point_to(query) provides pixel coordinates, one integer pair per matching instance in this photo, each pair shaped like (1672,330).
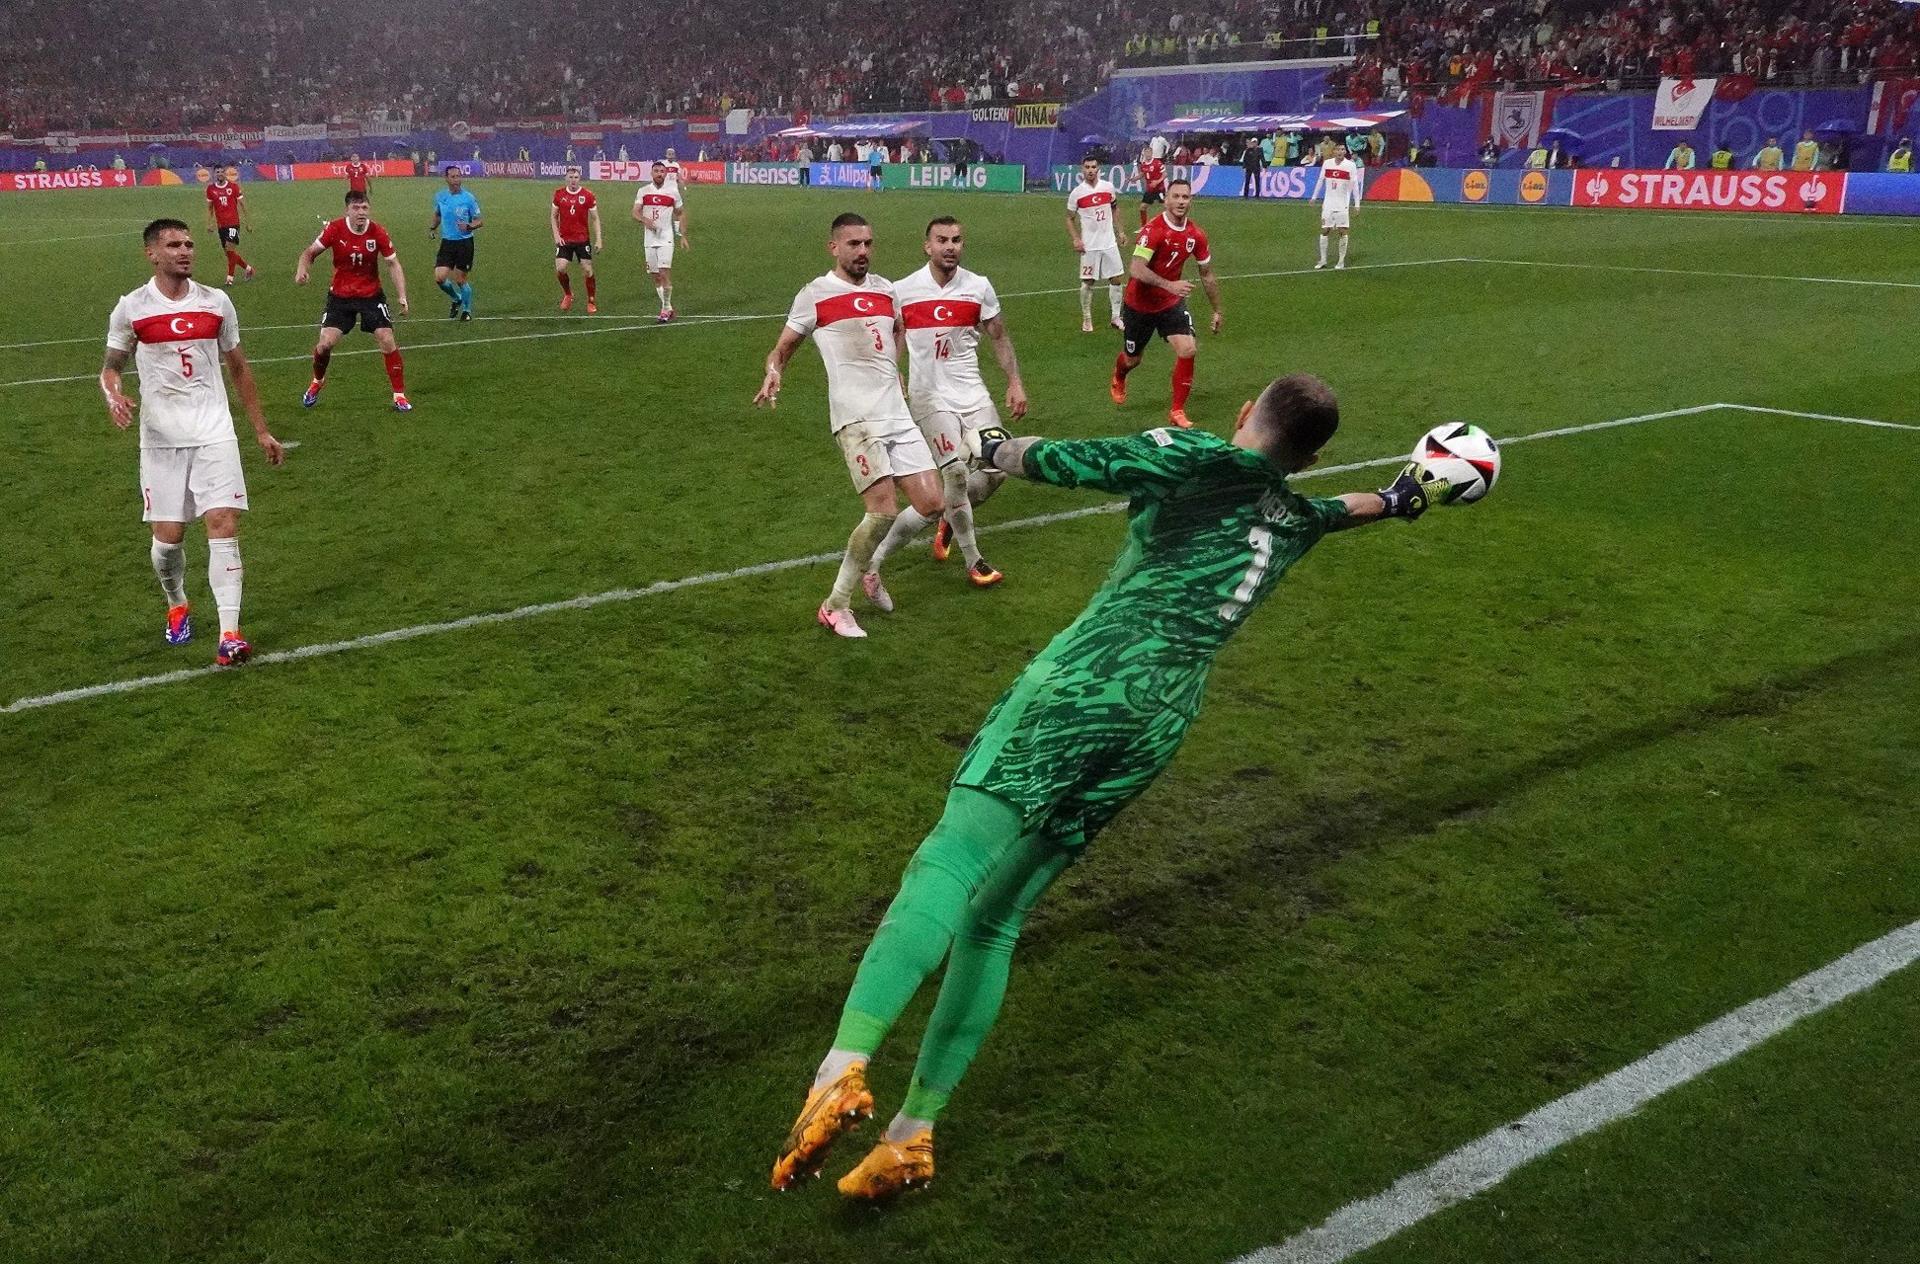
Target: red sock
(589,287)
(1182,380)
(394,372)
(320,357)
(234,263)
(566,283)
(1121,368)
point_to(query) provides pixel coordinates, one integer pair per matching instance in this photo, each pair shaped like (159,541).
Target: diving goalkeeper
(1212,526)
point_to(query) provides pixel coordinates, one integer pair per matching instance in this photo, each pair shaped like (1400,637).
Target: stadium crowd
(485,60)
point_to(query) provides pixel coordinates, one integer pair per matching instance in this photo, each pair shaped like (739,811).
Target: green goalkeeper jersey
(1211,529)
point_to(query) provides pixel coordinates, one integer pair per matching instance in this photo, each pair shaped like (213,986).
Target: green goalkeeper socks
(974,832)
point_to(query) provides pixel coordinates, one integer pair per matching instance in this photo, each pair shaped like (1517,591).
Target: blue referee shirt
(456,211)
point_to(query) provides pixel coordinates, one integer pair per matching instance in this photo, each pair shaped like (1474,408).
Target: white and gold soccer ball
(1463,454)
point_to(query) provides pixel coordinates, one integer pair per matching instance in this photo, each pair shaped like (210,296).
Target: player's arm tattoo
(1210,283)
(1002,347)
(114,362)
(1140,272)
(1011,457)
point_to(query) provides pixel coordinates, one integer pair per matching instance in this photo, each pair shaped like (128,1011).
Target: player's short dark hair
(848,219)
(152,231)
(1180,180)
(939,220)
(356,196)
(452,166)
(1300,412)
(1090,158)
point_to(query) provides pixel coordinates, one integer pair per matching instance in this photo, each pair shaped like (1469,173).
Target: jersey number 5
(186,363)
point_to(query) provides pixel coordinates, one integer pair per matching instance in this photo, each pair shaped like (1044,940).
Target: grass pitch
(519,942)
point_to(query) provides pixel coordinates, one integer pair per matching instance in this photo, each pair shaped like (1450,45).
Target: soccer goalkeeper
(1212,526)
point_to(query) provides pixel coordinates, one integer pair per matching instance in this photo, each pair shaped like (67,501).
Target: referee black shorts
(457,255)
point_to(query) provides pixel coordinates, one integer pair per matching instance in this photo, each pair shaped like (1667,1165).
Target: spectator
(1558,158)
(1901,159)
(1681,158)
(1490,153)
(1769,158)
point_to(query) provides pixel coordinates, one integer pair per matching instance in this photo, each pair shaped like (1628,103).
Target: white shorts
(180,484)
(659,257)
(883,449)
(1333,216)
(1101,265)
(946,431)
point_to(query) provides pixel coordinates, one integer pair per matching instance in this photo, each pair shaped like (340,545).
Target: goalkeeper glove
(990,438)
(1410,495)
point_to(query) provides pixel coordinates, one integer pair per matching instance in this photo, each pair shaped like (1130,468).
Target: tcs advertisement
(1818,192)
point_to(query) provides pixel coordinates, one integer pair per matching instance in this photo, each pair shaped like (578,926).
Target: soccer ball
(1465,455)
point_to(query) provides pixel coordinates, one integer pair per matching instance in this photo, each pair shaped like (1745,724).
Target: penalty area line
(588,602)
(1480,1165)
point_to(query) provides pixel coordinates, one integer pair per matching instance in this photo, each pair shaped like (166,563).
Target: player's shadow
(630,1085)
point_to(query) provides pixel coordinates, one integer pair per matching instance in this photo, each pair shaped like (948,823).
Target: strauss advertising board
(1798,192)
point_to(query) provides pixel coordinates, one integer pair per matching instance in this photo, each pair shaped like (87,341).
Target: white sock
(953,482)
(853,563)
(905,1128)
(909,524)
(669,298)
(1323,247)
(170,564)
(1113,301)
(1086,300)
(982,484)
(1343,248)
(835,1065)
(660,292)
(224,574)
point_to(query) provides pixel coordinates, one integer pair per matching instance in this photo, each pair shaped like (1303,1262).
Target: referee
(456,213)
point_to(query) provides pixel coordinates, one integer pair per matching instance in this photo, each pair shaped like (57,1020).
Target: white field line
(1699,272)
(1851,421)
(314,324)
(648,323)
(1480,1165)
(762,568)
(48,241)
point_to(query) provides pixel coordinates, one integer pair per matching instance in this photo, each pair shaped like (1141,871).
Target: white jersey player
(943,310)
(177,333)
(670,165)
(662,213)
(850,313)
(1340,179)
(1090,207)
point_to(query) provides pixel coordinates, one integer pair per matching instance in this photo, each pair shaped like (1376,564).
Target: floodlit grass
(520,942)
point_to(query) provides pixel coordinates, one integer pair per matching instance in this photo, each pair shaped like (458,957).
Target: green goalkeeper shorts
(1070,749)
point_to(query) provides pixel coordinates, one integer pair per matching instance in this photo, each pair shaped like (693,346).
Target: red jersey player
(1156,297)
(358,244)
(575,211)
(359,175)
(1153,183)
(226,206)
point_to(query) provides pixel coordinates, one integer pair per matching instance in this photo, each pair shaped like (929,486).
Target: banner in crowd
(1515,119)
(995,177)
(1893,102)
(992,114)
(1037,114)
(43,181)
(1820,192)
(295,132)
(1678,105)
(703,125)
